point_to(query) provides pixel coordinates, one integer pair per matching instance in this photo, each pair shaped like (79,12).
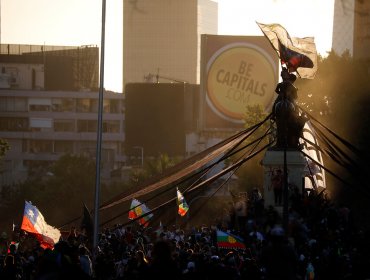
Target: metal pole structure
(99,136)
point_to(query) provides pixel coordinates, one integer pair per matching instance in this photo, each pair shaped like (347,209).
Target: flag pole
(99,133)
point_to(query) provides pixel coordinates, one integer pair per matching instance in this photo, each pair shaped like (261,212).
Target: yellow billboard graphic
(237,75)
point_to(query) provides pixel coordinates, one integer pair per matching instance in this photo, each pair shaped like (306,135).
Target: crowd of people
(321,241)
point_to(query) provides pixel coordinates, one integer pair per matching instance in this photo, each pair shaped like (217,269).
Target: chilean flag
(34,223)
(298,54)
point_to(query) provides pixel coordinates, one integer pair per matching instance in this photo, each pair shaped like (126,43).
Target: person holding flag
(33,222)
(183,206)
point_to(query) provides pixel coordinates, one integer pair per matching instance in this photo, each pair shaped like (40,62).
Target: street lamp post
(142,154)
(99,134)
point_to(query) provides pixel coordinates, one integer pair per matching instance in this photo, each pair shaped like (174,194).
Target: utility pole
(99,134)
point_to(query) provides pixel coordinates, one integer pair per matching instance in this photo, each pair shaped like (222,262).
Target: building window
(111,126)
(20,104)
(64,125)
(39,108)
(13,104)
(14,124)
(83,105)
(41,124)
(37,104)
(114,106)
(63,105)
(41,146)
(81,125)
(106,106)
(94,105)
(63,147)
(25,146)
(87,125)
(92,126)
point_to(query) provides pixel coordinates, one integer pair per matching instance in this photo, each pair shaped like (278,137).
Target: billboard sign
(237,71)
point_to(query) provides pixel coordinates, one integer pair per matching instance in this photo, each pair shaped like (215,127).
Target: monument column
(274,161)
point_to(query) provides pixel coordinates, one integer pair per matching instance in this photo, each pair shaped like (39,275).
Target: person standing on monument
(277,183)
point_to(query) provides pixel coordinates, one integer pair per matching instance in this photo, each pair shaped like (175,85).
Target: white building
(41,124)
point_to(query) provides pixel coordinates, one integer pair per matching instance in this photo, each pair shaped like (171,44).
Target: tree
(338,93)
(4,147)
(59,191)
(251,173)
(152,167)
(339,97)
(75,173)
(254,115)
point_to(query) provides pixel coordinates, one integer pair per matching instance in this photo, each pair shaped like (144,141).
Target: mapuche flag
(183,206)
(298,54)
(229,241)
(138,211)
(33,222)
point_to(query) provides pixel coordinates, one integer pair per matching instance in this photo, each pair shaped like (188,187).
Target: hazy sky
(78,22)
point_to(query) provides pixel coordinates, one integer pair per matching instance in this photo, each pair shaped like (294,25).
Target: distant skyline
(78,22)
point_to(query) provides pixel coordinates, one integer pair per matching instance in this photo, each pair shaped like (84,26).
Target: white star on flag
(30,213)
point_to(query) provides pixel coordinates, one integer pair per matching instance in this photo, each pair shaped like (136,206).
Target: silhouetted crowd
(321,241)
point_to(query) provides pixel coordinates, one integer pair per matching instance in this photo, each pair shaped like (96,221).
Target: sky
(78,22)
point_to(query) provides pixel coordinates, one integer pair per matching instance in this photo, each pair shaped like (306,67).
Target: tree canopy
(339,97)
(4,147)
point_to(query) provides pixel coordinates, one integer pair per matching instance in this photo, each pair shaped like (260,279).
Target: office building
(49,107)
(351,28)
(162,39)
(343,26)
(361,37)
